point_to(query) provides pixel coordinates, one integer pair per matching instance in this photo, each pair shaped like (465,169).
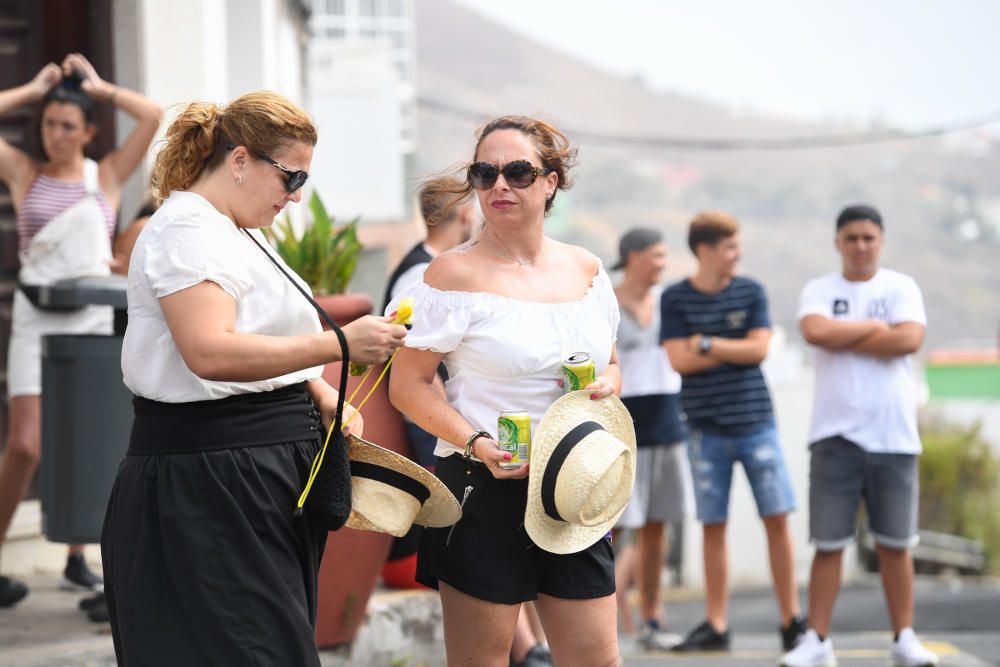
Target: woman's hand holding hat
(370,340)
(601,387)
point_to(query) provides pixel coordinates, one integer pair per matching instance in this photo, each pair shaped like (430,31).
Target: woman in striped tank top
(41,192)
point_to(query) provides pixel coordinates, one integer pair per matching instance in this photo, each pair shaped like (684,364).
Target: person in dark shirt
(716,331)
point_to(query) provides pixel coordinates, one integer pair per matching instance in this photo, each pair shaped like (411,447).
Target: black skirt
(204,560)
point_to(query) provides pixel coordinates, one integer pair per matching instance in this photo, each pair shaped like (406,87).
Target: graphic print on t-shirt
(840,306)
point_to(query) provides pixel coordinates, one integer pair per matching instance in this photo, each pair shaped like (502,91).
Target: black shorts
(488,553)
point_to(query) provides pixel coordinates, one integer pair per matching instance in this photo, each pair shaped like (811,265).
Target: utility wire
(741,143)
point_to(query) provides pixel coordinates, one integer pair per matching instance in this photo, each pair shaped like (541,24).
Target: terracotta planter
(353,558)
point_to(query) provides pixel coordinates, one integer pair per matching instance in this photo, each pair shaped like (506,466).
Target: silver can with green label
(514,437)
(578,371)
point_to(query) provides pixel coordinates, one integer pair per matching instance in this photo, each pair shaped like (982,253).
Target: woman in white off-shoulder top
(501,312)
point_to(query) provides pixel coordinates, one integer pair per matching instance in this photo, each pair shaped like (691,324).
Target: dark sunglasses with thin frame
(294,178)
(519,174)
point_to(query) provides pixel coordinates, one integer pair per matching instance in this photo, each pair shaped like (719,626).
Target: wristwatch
(704,344)
(471,441)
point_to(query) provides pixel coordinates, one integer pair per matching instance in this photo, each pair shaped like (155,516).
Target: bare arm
(837,335)
(686,360)
(202,321)
(749,351)
(413,392)
(119,164)
(897,341)
(15,165)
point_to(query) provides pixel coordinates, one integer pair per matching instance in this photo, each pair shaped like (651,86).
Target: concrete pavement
(959,619)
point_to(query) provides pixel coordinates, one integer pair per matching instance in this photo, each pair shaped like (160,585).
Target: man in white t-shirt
(865,322)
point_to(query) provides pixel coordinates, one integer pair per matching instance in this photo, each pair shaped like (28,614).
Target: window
(366,7)
(335,7)
(335,33)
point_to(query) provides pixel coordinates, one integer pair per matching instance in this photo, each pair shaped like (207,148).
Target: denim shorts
(841,474)
(712,457)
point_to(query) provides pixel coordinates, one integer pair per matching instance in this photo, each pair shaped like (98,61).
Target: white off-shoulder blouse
(505,353)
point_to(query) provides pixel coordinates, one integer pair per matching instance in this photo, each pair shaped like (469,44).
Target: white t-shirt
(644,364)
(868,400)
(504,353)
(186,242)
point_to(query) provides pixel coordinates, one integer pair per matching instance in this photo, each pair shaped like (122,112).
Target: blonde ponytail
(188,147)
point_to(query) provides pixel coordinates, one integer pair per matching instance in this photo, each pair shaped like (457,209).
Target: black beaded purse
(327,495)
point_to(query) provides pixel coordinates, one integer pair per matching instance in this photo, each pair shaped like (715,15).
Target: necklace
(500,251)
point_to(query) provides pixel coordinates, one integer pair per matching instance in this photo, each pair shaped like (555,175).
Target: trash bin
(86,415)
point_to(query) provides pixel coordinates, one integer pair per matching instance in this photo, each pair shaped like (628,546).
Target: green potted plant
(325,256)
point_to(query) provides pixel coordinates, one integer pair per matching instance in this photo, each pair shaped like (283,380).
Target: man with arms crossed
(716,331)
(865,322)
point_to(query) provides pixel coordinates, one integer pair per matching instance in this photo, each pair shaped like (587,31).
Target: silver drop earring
(239,180)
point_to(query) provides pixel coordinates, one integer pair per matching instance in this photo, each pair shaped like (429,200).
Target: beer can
(578,371)
(514,437)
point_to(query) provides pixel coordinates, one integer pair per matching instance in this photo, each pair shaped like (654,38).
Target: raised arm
(119,164)
(837,335)
(896,341)
(202,321)
(15,164)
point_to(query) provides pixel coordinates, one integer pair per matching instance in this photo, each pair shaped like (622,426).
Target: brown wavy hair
(198,139)
(554,152)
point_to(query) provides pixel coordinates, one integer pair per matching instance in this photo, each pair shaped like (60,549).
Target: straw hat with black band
(390,492)
(582,472)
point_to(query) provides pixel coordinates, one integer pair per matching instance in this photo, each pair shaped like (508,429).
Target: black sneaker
(791,633)
(12,591)
(77,576)
(99,614)
(91,602)
(537,656)
(704,638)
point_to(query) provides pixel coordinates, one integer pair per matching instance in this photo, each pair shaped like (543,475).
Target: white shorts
(660,494)
(29,324)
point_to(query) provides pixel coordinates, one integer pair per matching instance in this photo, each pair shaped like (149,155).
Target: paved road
(960,620)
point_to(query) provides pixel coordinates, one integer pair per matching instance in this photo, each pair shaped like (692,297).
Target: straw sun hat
(390,492)
(582,472)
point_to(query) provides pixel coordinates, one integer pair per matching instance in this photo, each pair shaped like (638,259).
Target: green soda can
(514,433)
(578,371)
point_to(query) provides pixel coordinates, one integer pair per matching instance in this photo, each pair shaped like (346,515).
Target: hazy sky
(912,63)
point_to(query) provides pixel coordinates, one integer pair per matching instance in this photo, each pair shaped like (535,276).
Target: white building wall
(357,164)
(203,50)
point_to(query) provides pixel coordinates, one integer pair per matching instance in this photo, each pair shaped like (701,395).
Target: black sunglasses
(294,179)
(518,174)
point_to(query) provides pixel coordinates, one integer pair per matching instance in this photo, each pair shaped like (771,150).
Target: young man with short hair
(866,322)
(716,332)
(650,391)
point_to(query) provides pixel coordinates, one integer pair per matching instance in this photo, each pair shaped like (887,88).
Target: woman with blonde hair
(502,312)
(55,198)
(205,558)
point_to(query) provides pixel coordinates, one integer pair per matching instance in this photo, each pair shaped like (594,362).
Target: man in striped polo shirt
(716,331)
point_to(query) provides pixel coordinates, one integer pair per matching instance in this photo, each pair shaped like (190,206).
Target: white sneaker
(811,652)
(907,651)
